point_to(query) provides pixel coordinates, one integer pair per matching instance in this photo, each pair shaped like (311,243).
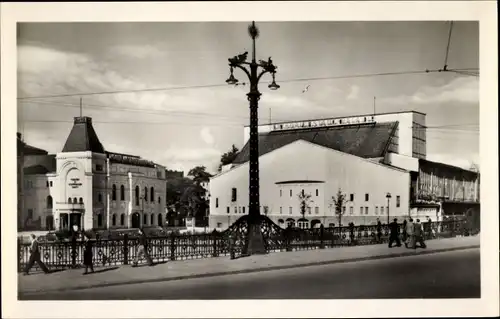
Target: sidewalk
(183,269)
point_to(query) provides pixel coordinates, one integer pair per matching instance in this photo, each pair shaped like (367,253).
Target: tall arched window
(49,201)
(160,220)
(69,200)
(99,220)
(145,219)
(114,220)
(137,196)
(152,219)
(146,194)
(122,219)
(122,192)
(113,192)
(159,200)
(75,201)
(152,195)
(80,200)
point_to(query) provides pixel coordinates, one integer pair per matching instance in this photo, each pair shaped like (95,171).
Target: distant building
(173,174)
(366,156)
(85,185)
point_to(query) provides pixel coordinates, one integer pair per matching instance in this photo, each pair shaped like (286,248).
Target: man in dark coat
(394,236)
(88,255)
(379,230)
(143,249)
(35,257)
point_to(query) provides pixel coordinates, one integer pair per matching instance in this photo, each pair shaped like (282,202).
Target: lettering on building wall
(75,183)
(324,123)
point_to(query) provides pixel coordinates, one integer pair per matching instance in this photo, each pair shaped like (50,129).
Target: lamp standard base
(255,240)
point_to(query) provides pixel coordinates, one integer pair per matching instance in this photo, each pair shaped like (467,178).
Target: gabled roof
(82,137)
(366,140)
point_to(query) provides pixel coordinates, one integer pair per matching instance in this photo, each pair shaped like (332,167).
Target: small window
(317,192)
(47,183)
(122,192)
(233,194)
(69,200)
(316,210)
(367,197)
(343,210)
(228,210)
(75,201)
(98,168)
(366,210)
(351,210)
(236,210)
(239,210)
(145,198)
(113,192)
(159,200)
(361,210)
(351,197)
(99,197)
(266,210)
(219,225)
(152,219)
(216,202)
(290,210)
(290,193)
(309,210)
(30,213)
(281,192)
(376,210)
(398,201)
(281,210)
(99,220)
(80,200)
(145,219)
(114,220)
(381,210)
(51,184)
(122,219)
(243,209)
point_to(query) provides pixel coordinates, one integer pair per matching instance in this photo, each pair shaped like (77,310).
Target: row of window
(49,184)
(145,220)
(137,194)
(291,193)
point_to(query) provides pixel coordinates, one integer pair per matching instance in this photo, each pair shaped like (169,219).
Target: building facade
(367,157)
(86,186)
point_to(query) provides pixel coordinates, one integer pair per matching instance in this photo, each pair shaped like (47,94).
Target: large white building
(85,185)
(366,157)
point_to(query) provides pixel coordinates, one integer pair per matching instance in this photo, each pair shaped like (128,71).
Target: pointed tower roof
(82,137)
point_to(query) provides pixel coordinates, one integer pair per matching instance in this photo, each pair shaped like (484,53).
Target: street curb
(244,271)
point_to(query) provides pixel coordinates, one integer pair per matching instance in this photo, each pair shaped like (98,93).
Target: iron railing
(231,242)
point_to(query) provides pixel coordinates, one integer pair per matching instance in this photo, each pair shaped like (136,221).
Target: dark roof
(365,140)
(28,149)
(129,159)
(40,164)
(83,137)
(424,162)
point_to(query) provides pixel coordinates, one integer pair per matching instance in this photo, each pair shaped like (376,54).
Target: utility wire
(225,85)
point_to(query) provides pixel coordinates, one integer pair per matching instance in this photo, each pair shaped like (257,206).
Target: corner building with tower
(378,161)
(87,186)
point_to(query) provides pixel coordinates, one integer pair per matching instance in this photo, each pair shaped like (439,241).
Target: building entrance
(136,220)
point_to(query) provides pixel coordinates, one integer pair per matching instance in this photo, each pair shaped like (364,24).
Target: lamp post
(255,239)
(388,196)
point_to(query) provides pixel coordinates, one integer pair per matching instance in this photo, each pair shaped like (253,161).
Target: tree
(304,201)
(338,201)
(228,157)
(199,174)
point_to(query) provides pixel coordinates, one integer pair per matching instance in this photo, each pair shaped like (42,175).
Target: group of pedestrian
(88,256)
(413,233)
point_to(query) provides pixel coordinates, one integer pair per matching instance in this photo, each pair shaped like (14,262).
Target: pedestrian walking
(379,230)
(143,249)
(35,257)
(351,232)
(405,235)
(410,240)
(88,255)
(419,235)
(394,236)
(428,228)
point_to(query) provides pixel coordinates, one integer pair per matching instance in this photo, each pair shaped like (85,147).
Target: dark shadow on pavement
(105,269)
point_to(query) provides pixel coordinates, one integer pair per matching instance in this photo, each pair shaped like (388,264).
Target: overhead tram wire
(225,85)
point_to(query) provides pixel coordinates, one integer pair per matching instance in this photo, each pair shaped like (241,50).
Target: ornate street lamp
(255,238)
(388,196)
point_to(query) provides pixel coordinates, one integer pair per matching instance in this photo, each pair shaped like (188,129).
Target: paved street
(442,275)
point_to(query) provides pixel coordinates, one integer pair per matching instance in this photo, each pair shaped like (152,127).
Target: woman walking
(88,255)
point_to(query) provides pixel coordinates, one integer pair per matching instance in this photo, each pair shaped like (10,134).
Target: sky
(182,128)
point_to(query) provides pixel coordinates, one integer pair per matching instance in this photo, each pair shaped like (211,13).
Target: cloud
(354,93)
(207,136)
(460,89)
(136,51)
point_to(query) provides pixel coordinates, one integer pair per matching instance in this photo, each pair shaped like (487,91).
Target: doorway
(136,220)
